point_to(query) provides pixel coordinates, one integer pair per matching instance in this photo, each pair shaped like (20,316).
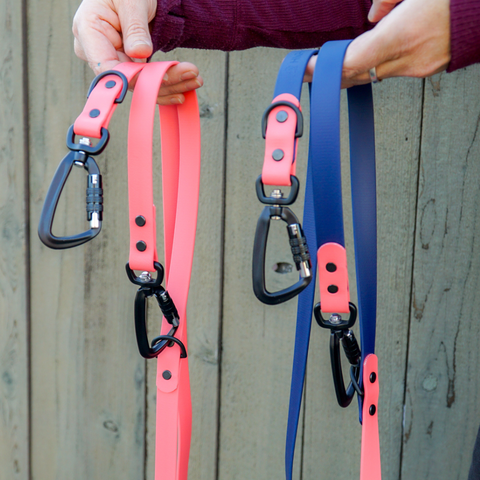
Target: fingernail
(165,77)
(141,42)
(188,76)
(175,101)
(199,83)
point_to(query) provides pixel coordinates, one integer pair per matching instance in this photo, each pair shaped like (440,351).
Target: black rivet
(141,246)
(372,410)
(373,377)
(140,220)
(110,83)
(167,374)
(281,116)
(277,154)
(94,113)
(331,267)
(332,289)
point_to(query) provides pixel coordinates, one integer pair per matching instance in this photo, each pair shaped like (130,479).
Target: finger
(180,72)
(133,15)
(310,69)
(180,87)
(381,8)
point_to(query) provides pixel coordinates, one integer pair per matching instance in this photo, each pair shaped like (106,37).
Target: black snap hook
(298,245)
(94,202)
(352,352)
(161,342)
(340,332)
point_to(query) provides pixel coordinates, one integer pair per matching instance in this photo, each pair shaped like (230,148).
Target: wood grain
(442,403)
(14,418)
(258,339)
(88,385)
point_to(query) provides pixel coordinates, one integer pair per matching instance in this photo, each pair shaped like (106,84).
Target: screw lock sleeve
(167,306)
(351,348)
(298,245)
(94,196)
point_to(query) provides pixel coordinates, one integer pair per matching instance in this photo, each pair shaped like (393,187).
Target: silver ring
(373,75)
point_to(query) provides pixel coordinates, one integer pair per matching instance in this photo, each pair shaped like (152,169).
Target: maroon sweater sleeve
(464,33)
(240,24)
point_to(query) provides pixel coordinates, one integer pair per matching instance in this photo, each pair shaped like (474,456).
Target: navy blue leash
(323,216)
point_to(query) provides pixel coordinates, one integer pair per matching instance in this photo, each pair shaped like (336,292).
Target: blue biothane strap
(323,216)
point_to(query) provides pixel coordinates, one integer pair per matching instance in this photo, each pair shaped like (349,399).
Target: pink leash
(180,138)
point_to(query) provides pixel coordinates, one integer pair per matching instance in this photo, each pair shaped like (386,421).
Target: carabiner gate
(94,202)
(298,245)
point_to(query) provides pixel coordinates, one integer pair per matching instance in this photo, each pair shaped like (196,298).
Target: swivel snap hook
(151,287)
(298,245)
(340,331)
(94,201)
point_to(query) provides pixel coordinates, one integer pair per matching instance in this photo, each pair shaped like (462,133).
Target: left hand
(411,40)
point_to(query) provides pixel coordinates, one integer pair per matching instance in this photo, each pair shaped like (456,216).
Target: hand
(108,32)
(413,40)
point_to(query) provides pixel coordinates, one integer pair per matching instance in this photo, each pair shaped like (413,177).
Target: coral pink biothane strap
(180,136)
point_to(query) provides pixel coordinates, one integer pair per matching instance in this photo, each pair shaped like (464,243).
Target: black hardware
(292,196)
(90,149)
(340,332)
(336,322)
(301,255)
(94,202)
(142,282)
(151,287)
(95,81)
(299,129)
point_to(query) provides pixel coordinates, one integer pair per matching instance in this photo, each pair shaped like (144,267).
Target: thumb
(133,16)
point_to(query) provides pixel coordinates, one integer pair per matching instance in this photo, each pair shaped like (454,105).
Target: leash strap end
(370,466)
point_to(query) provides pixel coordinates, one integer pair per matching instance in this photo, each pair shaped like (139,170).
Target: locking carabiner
(94,197)
(152,287)
(340,331)
(298,244)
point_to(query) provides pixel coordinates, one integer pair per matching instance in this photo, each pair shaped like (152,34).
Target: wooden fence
(77,401)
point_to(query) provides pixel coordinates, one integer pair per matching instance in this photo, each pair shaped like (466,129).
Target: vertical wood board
(442,403)
(14,427)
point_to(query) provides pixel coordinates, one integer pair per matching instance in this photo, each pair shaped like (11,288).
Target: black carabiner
(299,247)
(148,288)
(94,202)
(340,332)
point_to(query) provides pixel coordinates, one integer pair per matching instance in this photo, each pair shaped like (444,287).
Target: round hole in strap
(372,410)
(140,220)
(110,83)
(331,267)
(373,377)
(332,289)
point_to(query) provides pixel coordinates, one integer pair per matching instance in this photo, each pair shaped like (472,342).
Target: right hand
(108,32)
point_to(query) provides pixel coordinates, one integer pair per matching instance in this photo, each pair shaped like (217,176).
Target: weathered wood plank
(328,429)
(14,428)
(442,401)
(88,379)
(206,285)
(257,339)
